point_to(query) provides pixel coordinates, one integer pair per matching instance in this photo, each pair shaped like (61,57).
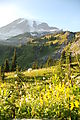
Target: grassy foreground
(43,93)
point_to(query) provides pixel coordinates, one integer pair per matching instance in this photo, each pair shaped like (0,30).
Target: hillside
(36,49)
(75,47)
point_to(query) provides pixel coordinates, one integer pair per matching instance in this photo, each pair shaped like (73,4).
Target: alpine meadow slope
(37,49)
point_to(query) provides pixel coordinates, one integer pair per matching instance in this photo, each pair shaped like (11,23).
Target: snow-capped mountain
(22,25)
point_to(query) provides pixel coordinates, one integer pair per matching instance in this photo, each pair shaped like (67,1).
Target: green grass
(40,93)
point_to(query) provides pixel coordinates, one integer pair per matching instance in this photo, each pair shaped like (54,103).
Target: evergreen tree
(49,62)
(3,75)
(60,71)
(13,67)
(6,66)
(35,65)
(18,68)
(68,66)
(63,56)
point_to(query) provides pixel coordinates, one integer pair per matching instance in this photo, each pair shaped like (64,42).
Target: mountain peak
(23,25)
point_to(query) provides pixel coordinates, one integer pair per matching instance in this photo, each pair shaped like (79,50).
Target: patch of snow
(22,20)
(52,30)
(33,34)
(30,22)
(11,33)
(13,26)
(42,30)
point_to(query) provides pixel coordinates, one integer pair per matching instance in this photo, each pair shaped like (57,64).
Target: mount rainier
(22,25)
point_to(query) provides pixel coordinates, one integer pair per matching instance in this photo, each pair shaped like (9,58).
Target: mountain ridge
(22,25)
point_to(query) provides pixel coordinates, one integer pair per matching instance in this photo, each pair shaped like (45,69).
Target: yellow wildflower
(72,105)
(76,103)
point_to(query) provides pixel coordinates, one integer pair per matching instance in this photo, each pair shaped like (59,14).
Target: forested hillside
(37,50)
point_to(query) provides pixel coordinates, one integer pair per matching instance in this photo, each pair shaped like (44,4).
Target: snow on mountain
(22,20)
(22,25)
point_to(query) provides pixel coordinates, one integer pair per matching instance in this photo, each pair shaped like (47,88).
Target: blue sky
(64,14)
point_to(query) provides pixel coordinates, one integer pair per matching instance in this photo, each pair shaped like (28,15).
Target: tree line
(7,68)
